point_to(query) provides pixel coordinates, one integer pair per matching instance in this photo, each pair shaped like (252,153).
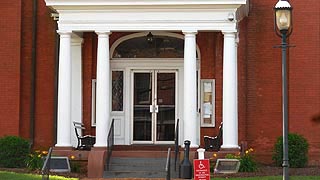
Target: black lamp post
(283,28)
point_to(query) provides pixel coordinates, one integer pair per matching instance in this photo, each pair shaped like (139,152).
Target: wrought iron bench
(84,142)
(213,143)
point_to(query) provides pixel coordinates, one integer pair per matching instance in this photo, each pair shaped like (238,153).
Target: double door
(154,106)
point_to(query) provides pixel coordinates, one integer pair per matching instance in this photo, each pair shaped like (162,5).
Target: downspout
(56,77)
(33,71)
(55,100)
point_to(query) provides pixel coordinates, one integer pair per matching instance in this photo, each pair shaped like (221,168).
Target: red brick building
(30,67)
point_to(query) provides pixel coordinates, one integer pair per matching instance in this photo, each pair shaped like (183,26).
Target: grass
(20,176)
(272,178)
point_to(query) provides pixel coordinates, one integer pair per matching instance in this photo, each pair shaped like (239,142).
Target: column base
(96,162)
(231,149)
(224,151)
(62,148)
(68,152)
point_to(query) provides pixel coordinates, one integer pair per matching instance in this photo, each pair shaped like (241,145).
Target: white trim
(139,2)
(164,15)
(93,102)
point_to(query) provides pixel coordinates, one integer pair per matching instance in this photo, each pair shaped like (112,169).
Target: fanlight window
(159,47)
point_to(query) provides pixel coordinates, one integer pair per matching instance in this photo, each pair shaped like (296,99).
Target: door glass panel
(117,90)
(166,97)
(142,118)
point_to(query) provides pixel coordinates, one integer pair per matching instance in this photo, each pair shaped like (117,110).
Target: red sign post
(201,169)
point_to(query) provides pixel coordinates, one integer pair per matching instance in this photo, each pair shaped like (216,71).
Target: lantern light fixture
(283,18)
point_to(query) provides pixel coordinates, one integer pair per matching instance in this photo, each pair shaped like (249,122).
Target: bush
(247,162)
(297,148)
(13,151)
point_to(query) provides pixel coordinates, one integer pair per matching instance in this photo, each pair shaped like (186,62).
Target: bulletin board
(207,102)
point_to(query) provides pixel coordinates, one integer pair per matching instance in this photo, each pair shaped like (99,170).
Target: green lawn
(272,178)
(19,176)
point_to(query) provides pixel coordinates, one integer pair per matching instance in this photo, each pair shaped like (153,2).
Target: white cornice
(144,15)
(140,2)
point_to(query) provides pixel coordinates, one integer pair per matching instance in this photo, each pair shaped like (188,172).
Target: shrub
(13,151)
(297,150)
(247,162)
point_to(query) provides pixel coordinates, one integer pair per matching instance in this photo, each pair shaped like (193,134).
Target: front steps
(140,164)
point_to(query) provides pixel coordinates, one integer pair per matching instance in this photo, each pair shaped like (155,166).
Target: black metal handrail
(168,169)
(46,166)
(176,148)
(110,143)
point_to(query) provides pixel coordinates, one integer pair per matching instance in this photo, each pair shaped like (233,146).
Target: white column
(230,91)
(102,90)
(64,91)
(190,89)
(76,85)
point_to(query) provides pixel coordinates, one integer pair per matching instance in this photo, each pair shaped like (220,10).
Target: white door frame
(154,73)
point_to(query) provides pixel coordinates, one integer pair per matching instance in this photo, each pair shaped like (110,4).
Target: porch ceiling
(132,15)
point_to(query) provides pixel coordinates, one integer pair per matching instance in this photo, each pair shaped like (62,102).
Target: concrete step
(140,167)
(134,174)
(137,164)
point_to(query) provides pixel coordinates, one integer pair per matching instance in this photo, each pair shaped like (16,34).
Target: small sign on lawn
(59,164)
(227,166)
(201,169)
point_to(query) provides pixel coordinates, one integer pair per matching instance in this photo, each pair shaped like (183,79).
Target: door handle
(151,109)
(156,108)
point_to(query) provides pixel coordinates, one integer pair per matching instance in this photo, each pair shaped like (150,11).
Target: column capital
(76,41)
(64,32)
(103,32)
(229,32)
(190,32)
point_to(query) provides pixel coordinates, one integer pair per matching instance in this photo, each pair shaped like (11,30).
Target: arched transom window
(159,46)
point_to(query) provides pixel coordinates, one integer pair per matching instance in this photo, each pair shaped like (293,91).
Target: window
(160,47)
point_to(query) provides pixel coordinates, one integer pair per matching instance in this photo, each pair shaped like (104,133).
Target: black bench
(84,142)
(213,143)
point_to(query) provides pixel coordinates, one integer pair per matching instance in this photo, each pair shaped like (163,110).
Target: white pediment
(132,15)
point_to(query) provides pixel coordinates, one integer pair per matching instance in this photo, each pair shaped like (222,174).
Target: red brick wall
(88,52)
(10,54)
(45,76)
(210,45)
(25,73)
(242,81)
(219,78)
(264,110)
(304,74)
(263,80)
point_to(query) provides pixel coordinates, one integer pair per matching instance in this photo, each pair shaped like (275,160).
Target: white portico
(187,17)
